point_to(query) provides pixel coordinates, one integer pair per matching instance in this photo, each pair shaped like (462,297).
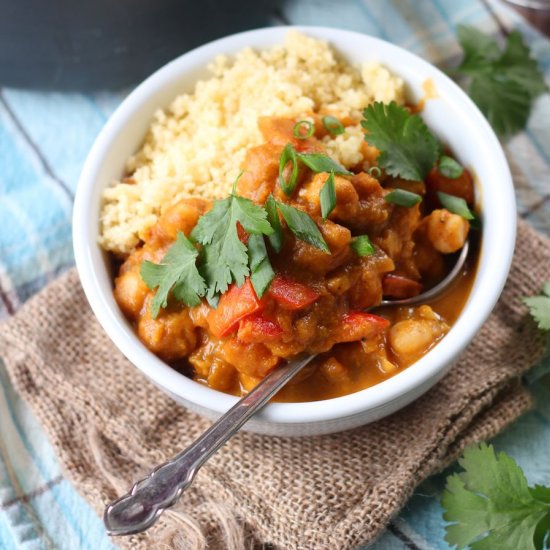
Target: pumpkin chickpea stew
(299,256)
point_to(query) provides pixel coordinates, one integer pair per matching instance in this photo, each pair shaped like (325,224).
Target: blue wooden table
(44,139)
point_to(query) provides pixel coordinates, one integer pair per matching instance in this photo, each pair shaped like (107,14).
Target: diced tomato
(357,325)
(291,294)
(242,234)
(397,286)
(257,328)
(234,305)
(463,186)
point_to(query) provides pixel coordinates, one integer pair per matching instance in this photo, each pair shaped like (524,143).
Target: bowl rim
(423,372)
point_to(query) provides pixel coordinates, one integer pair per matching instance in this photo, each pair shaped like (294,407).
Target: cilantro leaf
(489,504)
(479,48)
(177,272)
(225,257)
(407,147)
(539,306)
(261,271)
(503,84)
(276,238)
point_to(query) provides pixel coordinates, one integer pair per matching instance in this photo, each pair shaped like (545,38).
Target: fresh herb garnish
(504,84)
(449,167)
(317,162)
(323,163)
(225,257)
(363,245)
(177,272)
(328,196)
(261,272)
(401,197)
(490,505)
(456,205)
(374,171)
(303,129)
(333,125)
(276,238)
(407,147)
(302,226)
(288,155)
(539,306)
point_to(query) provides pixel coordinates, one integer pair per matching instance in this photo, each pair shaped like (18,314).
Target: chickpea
(411,338)
(170,336)
(446,231)
(334,371)
(347,199)
(309,192)
(130,292)
(221,376)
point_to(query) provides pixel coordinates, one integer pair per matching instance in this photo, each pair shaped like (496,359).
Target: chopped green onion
(261,272)
(322,163)
(303,226)
(288,155)
(362,245)
(328,196)
(449,167)
(309,129)
(375,172)
(333,125)
(276,238)
(401,197)
(456,205)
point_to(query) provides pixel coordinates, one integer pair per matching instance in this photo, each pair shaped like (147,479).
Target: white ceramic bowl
(452,115)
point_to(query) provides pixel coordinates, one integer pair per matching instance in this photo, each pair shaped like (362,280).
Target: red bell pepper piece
(291,294)
(257,328)
(234,305)
(357,325)
(398,286)
(242,234)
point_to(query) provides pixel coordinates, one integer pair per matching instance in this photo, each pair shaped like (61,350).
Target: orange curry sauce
(317,301)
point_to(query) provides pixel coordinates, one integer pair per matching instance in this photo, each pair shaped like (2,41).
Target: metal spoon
(142,506)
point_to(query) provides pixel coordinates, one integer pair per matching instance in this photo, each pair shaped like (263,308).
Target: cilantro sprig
(489,505)
(408,149)
(539,306)
(225,257)
(504,83)
(178,273)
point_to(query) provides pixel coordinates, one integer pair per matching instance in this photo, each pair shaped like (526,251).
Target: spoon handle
(142,506)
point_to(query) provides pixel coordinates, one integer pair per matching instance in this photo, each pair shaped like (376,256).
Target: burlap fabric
(109,426)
